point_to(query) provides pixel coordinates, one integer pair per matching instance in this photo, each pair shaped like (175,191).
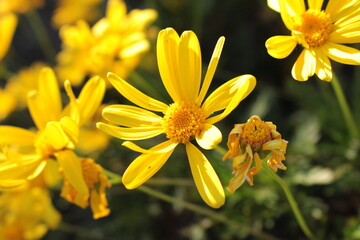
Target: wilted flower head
(252,141)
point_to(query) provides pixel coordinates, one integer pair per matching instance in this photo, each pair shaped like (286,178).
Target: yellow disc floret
(183,121)
(315,26)
(255,133)
(90,171)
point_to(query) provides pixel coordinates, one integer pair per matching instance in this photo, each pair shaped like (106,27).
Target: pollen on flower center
(315,26)
(255,133)
(182,121)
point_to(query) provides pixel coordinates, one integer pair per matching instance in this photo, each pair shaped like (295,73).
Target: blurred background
(323,161)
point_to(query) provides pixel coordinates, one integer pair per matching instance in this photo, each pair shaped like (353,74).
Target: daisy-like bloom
(97,182)
(188,118)
(250,142)
(114,44)
(68,11)
(27,153)
(321,32)
(27,214)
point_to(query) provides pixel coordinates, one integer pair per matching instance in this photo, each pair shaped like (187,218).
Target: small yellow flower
(114,44)
(96,181)
(249,142)
(188,118)
(68,11)
(27,214)
(322,34)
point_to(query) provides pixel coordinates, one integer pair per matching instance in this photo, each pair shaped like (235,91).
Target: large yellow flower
(114,44)
(322,33)
(188,118)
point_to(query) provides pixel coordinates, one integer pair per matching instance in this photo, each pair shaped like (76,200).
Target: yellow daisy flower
(96,181)
(322,33)
(249,142)
(114,44)
(188,118)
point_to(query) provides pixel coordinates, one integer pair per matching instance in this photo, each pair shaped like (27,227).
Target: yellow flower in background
(26,214)
(19,6)
(322,33)
(13,95)
(69,11)
(188,118)
(96,181)
(248,142)
(114,44)
(26,153)
(8,22)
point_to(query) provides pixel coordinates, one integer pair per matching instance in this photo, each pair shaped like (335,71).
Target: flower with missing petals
(188,118)
(248,143)
(322,33)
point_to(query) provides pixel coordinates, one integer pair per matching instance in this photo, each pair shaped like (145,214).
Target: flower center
(255,133)
(90,172)
(315,26)
(182,121)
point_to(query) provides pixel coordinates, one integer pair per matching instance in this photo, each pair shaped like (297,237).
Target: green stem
(354,132)
(116,179)
(292,202)
(42,36)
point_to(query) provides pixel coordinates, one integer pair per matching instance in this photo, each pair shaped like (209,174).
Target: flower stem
(116,179)
(42,36)
(354,132)
(292,202)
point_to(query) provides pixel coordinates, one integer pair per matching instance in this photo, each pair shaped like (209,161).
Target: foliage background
(323,163)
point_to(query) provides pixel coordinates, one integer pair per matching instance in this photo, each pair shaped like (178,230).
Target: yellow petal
(349,33)
(211,70)
(37,109)
(135,95)
(315,4)
(139,19)
(71,129)
(90,98)
(167,50)
(49,92)
(289,9)
(130,116)
(340,9)
(323,65)
(55,136)
(146,165)
(135,133)
(206,180)
(11,184)
(304,66)
(72,109)
(134,49)
(274,5)
(280,46)
(240,174)
(156,149)
(189,65)
(71,165)
(228,96)
(343,54)
(210,137)
(8,24)
(115,11)
(16,136)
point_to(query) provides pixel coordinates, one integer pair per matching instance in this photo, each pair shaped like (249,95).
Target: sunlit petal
(342,54)
(315,4)
(304,66)
(130,116)
(55,136)
(146,165)
(135,133)
(206,180)
(323,65)
(228,96)
(135,95)
(16,136)
(280,46)
(289,9)
(159,148)
(210,137)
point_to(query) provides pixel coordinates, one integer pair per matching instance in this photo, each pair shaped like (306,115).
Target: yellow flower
(188,118)
(96,181)
(19,6)
(26,214)
(114,44)
(69,11)
(8,22)
(247,143)
(322,33)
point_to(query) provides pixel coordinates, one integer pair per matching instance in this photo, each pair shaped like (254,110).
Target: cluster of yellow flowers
(56,150)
